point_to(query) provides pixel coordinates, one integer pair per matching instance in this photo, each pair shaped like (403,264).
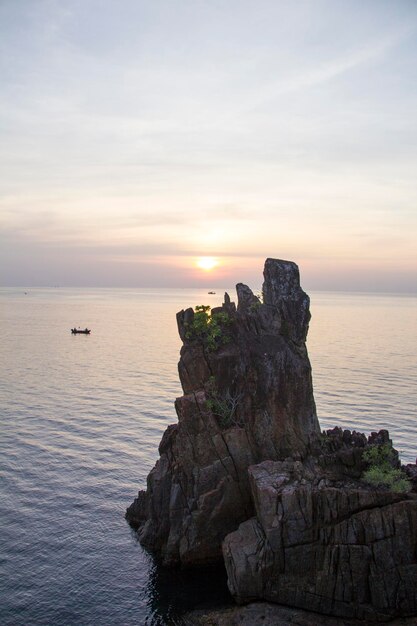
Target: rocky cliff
(246,475)
(248,397)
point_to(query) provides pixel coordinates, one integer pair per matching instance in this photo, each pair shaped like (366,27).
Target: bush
(209,329)
(223,406)
(381,471)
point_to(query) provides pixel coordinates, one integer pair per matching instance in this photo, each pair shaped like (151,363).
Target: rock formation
(246,475)
(248,397)
(325,542)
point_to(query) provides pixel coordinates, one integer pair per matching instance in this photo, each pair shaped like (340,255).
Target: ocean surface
(82,416)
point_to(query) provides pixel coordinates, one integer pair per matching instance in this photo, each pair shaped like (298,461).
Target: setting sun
(207,263)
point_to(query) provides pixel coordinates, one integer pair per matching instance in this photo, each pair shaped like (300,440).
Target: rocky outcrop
(248,397)
(325,542)
(246,475)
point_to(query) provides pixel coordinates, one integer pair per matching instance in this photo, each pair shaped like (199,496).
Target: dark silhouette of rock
(247,399)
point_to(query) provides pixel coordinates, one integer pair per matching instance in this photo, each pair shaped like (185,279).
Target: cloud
(366,54)
(323,72)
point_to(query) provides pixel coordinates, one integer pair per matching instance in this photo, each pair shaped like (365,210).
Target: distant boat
(77,331)
(211,292)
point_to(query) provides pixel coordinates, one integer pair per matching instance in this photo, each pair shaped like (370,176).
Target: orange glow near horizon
(207,263)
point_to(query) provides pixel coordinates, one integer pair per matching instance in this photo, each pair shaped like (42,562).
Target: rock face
(248,397)
(326,543)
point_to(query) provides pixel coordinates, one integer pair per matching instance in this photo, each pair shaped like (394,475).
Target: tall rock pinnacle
(248,398)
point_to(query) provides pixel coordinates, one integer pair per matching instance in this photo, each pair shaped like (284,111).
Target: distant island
(322,521)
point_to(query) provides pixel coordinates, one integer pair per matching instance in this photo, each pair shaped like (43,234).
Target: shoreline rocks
(332,546)
(268,614)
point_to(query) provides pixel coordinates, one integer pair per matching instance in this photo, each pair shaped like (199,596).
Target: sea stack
(246,475)
(248,397)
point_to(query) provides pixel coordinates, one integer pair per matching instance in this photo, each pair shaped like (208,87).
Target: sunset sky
(137,137)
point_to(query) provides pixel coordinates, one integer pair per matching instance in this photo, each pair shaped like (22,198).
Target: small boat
(78,331)
(211,292)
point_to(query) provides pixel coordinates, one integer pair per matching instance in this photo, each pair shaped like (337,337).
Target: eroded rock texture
(326,543)
(246,400)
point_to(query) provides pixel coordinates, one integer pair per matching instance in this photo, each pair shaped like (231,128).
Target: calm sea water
(82,416)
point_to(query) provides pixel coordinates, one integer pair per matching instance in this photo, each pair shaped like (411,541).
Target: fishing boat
(211,292)
(78,331)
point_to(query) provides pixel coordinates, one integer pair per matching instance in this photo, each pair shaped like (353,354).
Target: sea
(82,416)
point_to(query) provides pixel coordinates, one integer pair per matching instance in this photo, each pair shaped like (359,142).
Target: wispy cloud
(314,75)
(356,58)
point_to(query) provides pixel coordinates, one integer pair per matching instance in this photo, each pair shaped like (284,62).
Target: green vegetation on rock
(223,406)
(210,329)
(381,471)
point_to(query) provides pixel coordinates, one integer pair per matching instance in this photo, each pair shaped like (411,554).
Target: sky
(139,136)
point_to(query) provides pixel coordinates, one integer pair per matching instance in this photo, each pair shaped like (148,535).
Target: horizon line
(220,288)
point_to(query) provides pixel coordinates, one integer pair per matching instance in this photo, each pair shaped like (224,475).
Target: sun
(207,263)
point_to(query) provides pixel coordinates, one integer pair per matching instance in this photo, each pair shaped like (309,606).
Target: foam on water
(82,416)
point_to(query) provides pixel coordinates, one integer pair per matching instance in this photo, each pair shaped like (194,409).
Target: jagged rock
(248,399)
(282,290)
(325,543)
(339,451)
